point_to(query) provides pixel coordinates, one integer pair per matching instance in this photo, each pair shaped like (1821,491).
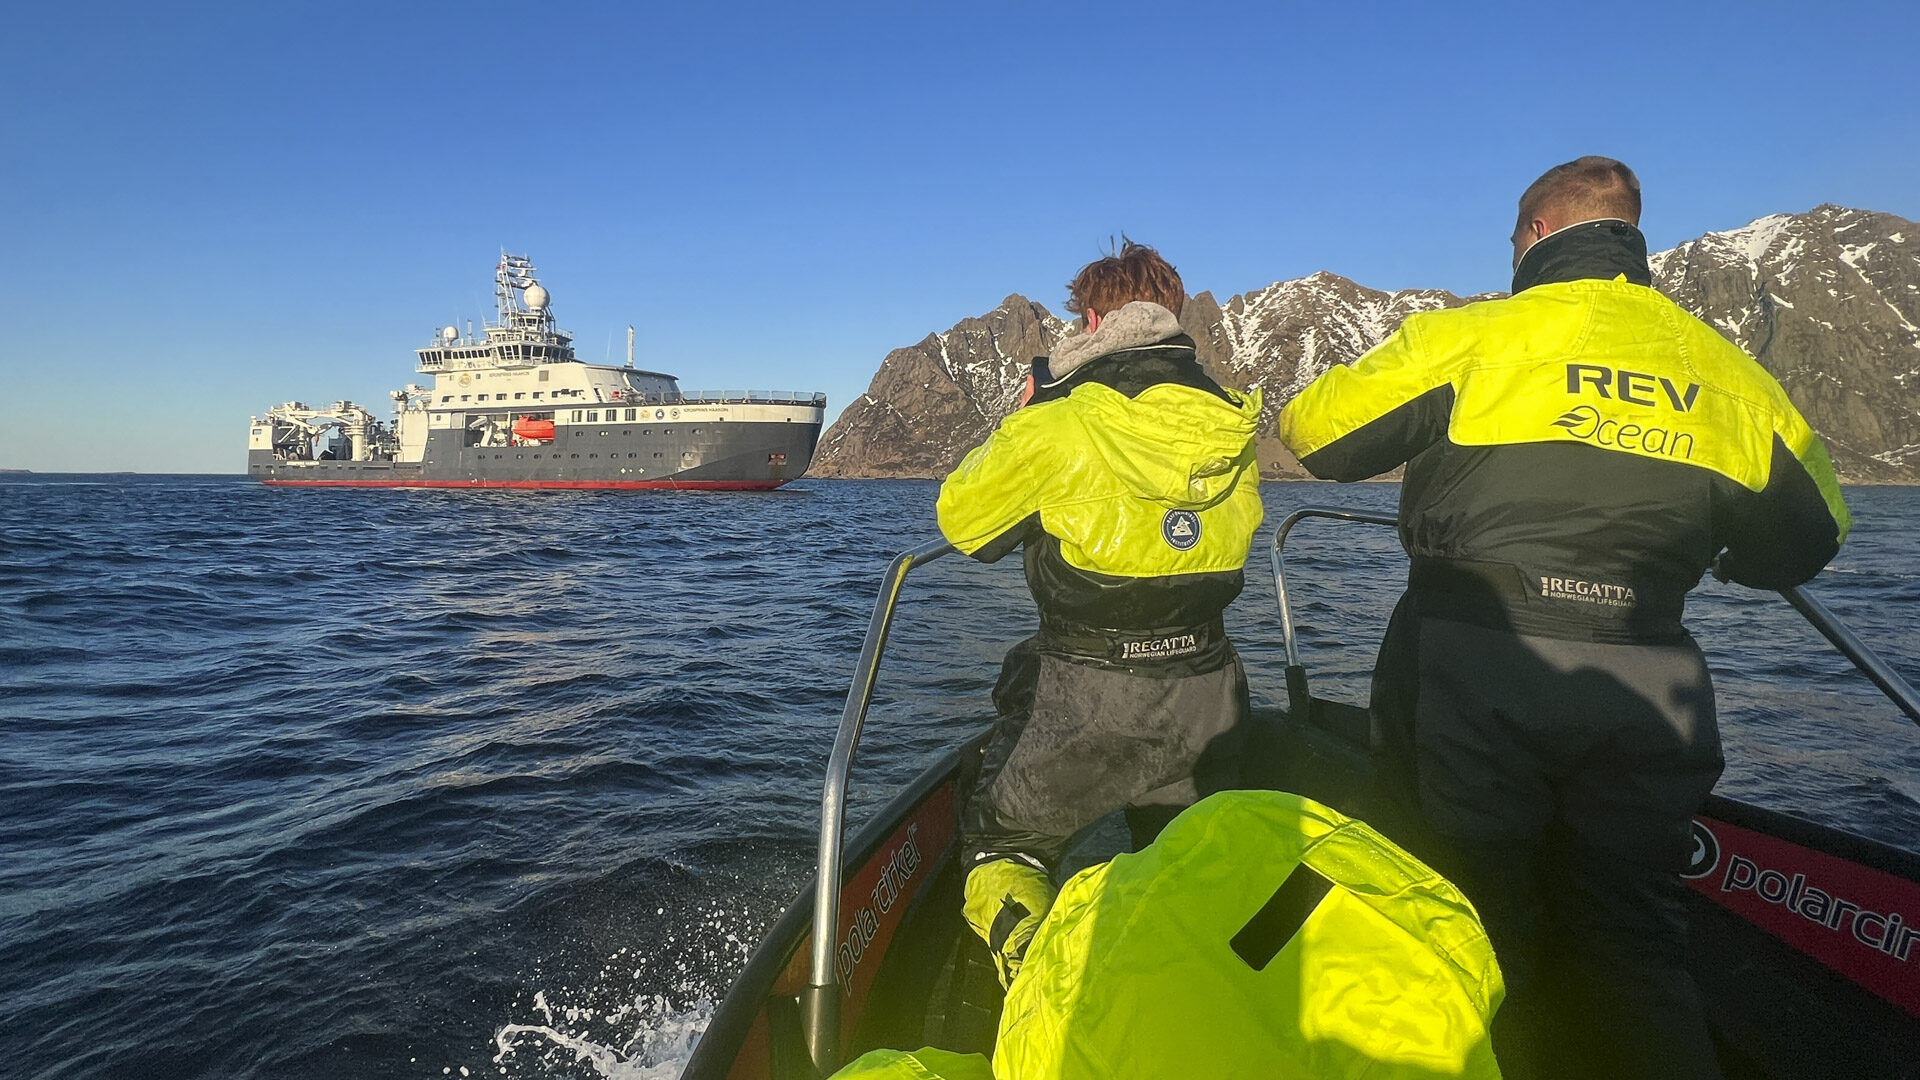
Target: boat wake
(639,1015)
(662,1040)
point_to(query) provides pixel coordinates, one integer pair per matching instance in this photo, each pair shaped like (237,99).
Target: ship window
(466,397)
(656,455)
(444,398)
(631,414)
(668,431)
(519,397)
(575,456)
(519,457)
(647,431)
(593,415)
(536,395)
(633,455)
(696,431)
(593,455)
(576,416)
(603,434)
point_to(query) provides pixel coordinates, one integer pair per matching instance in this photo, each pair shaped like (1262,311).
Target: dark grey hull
(731,455)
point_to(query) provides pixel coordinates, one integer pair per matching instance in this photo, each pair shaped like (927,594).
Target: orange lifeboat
(529,428)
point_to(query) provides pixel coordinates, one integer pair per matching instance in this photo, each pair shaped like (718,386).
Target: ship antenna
(503,289)
(629,344)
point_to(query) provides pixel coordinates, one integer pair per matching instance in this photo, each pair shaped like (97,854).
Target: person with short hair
(1128,480)
(1577,456)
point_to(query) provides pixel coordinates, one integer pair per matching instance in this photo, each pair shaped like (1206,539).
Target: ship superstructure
(514,407)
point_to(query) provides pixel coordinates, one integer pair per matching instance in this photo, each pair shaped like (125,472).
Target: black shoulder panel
(1783,535)
(1387,441)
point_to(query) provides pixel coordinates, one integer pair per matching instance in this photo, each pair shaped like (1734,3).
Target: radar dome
(449,335)
(536,297)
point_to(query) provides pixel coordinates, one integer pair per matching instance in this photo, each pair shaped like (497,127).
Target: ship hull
(704,456)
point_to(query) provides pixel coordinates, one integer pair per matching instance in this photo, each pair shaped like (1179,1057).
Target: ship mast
(521,300)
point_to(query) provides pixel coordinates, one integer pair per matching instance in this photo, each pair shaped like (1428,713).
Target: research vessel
(513,407)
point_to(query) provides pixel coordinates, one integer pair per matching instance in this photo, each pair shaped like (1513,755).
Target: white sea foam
(662,1040)
(640,1015)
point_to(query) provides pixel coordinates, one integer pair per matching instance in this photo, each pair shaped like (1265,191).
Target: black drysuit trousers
(1077,739)
(1556,781)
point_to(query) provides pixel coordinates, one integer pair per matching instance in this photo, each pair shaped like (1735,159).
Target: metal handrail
(1870,663)
(1299,702)
(820,1000)
(1822,618)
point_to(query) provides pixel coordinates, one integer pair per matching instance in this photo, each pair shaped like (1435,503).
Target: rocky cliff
(930,403)
(1827,300)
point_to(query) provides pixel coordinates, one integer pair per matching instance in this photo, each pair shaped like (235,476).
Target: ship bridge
(525,334)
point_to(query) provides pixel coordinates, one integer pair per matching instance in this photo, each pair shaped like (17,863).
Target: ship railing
(725,397)
(1817,614)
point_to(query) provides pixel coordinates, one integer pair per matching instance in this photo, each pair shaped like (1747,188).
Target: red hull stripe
(1861,922)
(675,485)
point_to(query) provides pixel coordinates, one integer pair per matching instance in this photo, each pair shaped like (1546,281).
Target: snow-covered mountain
(930,403)
(1827,300)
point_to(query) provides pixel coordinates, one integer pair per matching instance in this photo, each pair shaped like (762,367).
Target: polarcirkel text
(1884,932)
(894,876)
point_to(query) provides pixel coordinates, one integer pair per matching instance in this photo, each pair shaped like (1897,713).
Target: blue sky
(213,208)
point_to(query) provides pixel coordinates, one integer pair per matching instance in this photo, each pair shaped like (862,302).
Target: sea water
(306,783)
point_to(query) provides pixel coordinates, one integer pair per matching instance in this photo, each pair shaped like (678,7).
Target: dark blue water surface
(380,783)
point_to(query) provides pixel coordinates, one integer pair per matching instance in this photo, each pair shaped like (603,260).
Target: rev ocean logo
(1589,424)
(1180,529)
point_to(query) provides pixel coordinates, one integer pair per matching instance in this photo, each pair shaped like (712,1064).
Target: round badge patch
(1180,529)
(1704,854)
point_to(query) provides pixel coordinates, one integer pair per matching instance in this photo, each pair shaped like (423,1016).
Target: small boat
(1805,938)
(530,430)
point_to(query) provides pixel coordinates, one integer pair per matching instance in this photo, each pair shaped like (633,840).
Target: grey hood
(1134,325)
